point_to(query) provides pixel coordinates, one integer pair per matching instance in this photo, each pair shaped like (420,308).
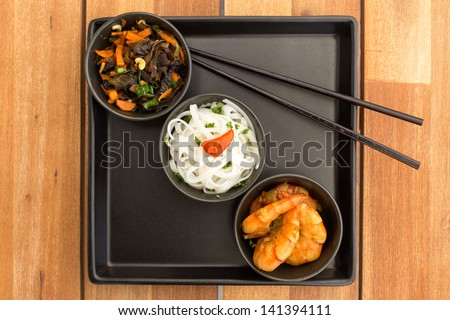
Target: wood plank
(40,121)
(400,33)
(405,215)
(96,9)
(439,264)
(6,157)
(395,227)
(296,8)
(258,8)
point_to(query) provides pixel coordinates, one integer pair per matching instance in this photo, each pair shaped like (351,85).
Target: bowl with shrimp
(212,147)
(138,66)
(288,228)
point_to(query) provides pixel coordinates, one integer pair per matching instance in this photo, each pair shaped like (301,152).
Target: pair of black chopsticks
(310,115)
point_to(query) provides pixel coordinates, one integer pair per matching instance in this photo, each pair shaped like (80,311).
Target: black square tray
(142,230)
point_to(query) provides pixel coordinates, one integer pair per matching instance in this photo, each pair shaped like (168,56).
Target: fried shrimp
(282,191)
(311,239)
(274,248)
(257,224)
(289,227)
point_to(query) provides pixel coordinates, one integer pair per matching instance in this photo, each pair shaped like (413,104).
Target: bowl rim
(129,115)
(261,146)
(238,236)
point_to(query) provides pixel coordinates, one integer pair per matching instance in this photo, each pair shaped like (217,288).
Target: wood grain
(269,8)
(405,221)
(400,32)
(40,177)
(405,212)
(96,9)
(6,156)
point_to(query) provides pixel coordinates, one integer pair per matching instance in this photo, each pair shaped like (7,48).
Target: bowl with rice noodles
(212,147)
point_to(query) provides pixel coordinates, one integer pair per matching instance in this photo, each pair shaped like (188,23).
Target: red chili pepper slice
(216,146)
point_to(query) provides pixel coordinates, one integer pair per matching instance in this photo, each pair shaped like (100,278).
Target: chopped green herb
(251,243)
(236,126)
(150,103)
(120,70)
(239,184)
(229,125)
(210,125)
(139,75)
(143,90)
(249,143)
(229,163)
(112,39)
(165,138)
(187,118)
(245,131)
(197,141)
(178,175)
(218,108)
(173,84)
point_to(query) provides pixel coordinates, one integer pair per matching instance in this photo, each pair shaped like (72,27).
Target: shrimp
(274,248)
(311,239)
(258,223)
(282,191)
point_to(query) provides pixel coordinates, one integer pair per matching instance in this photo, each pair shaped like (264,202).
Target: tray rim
(95,276)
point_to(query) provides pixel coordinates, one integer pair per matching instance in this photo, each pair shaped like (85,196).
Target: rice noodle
(197,168)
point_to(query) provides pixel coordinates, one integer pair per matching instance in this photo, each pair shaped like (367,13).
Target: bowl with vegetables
(212,147)
(288,227)
(138,66)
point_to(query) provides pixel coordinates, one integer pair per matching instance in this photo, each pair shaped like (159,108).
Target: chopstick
(313,116)
(311,87)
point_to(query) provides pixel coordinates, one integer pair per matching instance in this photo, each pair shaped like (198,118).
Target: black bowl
(100,40)
(330,214)
(199,194)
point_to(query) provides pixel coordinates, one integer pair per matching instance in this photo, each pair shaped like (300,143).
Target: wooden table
(403,246)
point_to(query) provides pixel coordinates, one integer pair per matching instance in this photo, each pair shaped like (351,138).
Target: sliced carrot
(120,39)
(145,33)
(111,93)
(133,36)
(165,94)
(119,55)
(125,105)
(130,42)
(117,33)
(105,76)
(113,96)
(167,37)
(105,53)
(175,77)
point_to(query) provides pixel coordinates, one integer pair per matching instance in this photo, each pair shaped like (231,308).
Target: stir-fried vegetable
(142,69)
